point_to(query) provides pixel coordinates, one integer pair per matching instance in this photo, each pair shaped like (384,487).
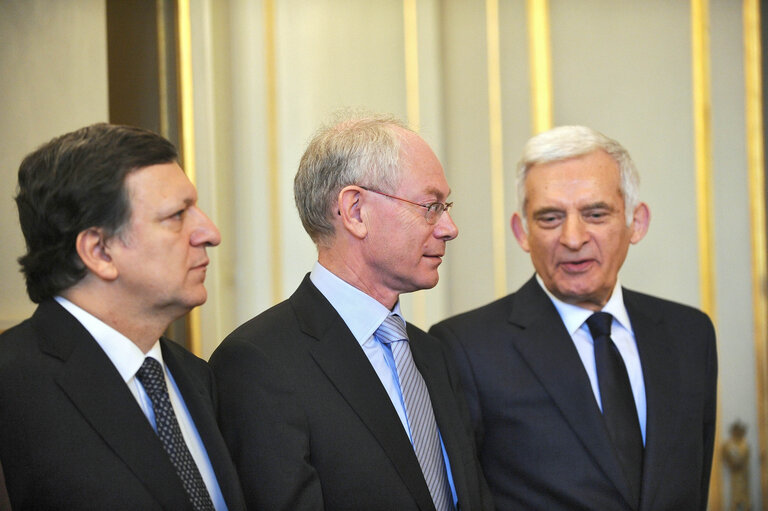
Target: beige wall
(53,78)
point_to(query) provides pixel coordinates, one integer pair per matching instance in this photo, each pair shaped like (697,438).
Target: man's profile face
(405,250)
(160,254)
(577,233)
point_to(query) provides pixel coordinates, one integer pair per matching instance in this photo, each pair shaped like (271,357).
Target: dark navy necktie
(152,378)
(619,410)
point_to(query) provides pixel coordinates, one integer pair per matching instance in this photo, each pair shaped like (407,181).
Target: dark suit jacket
(310,425)
(5,503)
(540,434)
(71,433)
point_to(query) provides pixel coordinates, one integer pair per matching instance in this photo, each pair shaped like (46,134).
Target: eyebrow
(437,193)
(597,205)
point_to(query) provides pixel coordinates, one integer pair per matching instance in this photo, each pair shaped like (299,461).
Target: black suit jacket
(310,425)
(540,434)
(71,433)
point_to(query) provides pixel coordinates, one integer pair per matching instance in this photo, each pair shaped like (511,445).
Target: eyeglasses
(434,209)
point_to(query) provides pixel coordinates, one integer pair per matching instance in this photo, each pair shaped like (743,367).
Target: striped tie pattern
(418,408)
(153,380)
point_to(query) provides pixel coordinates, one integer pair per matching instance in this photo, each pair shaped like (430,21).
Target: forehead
(593,176)
(159,184)
(421,171)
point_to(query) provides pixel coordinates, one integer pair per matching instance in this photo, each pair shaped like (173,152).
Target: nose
(445,229)
(205,232)
(574,233)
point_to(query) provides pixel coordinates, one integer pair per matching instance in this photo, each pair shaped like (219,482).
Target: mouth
(438,258)
(577,266)
(201,266)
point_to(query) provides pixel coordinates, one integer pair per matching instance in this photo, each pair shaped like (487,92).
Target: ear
(91,246)
(350,210)
(641,219)
(519,231)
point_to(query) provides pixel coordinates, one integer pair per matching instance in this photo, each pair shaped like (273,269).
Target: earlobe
(519,231)
(91,246)
(641,219)
(350,211)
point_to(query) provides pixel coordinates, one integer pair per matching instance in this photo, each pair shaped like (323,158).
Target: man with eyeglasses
(328,400)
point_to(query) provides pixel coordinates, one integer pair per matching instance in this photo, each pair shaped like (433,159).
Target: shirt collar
(122,352)
(361,312)
(574,316)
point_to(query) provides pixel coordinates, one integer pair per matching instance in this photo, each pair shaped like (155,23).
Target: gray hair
(358,150)
(565,142)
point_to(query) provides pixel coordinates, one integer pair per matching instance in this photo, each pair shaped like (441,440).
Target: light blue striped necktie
(418,409)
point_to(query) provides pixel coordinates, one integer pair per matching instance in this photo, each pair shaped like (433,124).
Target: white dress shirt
(127,359)
(574,318)
(363,315)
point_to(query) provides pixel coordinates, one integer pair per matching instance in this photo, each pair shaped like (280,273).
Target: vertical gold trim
(273,151)
(162,67)
(702,115)
(411,35)
(539,54)
(187,134)
(755,168)
(413,108)
(498,217)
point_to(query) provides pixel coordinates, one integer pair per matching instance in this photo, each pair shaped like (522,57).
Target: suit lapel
(340,357)
(542,340)
(661,376)
(199,402)
(444,405)
(96,389)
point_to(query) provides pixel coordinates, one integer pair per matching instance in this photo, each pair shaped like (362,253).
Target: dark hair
(70,184)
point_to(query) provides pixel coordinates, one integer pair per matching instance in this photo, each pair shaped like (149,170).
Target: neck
(142,329)
(355,274)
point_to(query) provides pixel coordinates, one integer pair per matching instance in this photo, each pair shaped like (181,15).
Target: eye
(178,215)
(436,207)
(596,215)
(549,220)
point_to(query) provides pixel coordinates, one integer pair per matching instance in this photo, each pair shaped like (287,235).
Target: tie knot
(150,374)
(599,324)
(391,330)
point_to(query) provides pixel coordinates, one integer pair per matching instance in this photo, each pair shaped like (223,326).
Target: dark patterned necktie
(619,410)
(152,378)
(418,408)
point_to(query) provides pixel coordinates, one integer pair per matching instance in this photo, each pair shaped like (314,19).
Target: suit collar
(548,349)
(340,357)
(96,389)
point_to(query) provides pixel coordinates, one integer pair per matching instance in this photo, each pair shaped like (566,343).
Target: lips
(201,266)
(578,266)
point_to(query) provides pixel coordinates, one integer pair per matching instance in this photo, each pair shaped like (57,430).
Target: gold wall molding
(756,174)
(413,111)
(187,134)
(273,152)
(702,117)
(540,58)
(498,216)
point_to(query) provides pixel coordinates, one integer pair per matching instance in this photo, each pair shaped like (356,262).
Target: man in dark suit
(97,410)
(322,405)
(570,414)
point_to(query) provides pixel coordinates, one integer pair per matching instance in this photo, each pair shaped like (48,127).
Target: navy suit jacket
(542,442)
(310,425)
(71,433)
